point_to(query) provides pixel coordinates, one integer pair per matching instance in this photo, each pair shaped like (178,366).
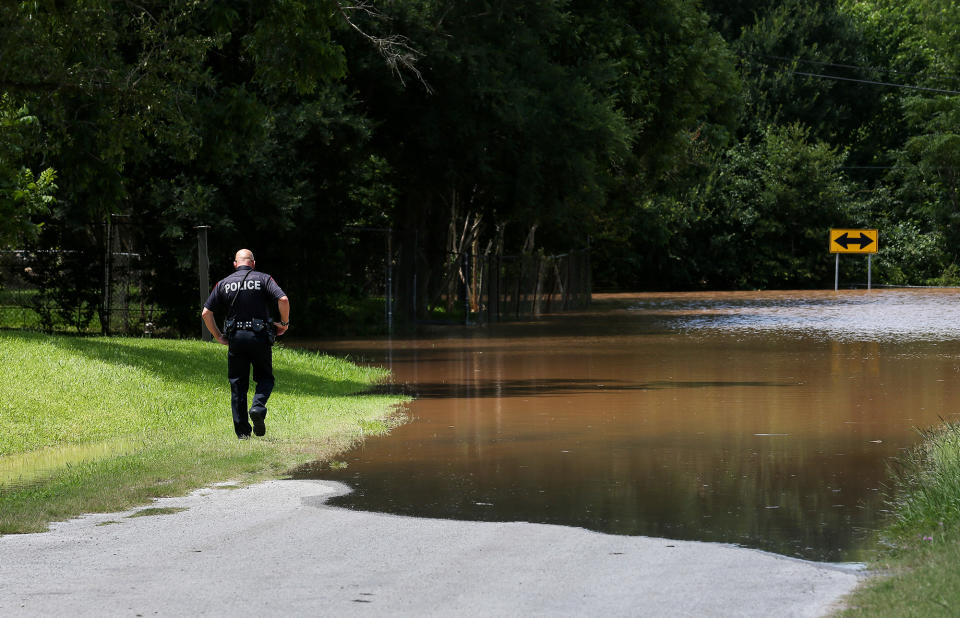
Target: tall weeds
(926,492)
(917,566)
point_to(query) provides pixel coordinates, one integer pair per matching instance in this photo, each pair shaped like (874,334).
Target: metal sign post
(853,241)
(836,275)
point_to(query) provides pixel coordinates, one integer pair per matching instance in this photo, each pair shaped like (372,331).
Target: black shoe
(243,436)
(258,426)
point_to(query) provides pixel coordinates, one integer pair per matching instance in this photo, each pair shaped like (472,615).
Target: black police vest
(254,291)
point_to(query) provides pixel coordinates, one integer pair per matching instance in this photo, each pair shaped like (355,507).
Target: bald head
(244,257)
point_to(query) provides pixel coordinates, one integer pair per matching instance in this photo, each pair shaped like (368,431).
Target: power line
(866,167)
(823,64)
(953,78)
(844,79)
(875,83)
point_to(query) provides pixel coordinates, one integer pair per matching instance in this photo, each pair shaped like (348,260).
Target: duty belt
(245,325)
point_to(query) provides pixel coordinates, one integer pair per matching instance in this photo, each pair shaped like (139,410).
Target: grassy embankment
(114,422)
(919,565)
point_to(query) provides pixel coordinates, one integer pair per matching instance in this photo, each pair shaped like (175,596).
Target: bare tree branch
(395,48)
(143,11)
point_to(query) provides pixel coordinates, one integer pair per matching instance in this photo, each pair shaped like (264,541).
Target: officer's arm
(211,322)
(283,305)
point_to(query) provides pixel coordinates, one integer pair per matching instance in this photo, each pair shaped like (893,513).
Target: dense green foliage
(689,144)
(22,195)
(104,423)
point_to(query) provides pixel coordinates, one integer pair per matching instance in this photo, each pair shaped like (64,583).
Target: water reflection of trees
(800,505)
(769,441)
(557,386)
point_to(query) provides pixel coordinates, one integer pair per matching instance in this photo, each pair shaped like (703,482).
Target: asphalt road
(277,549)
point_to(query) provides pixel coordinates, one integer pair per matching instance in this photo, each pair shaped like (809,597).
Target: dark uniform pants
(248,348)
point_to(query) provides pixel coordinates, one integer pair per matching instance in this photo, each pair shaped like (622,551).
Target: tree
(767,212)
(175,114)
(23,196)
(801,62)
(674,80)
(914,37)
(543,114)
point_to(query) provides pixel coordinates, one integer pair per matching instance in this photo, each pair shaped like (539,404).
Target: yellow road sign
(853,241)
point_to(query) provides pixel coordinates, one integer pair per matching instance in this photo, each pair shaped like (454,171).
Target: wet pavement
(278,549)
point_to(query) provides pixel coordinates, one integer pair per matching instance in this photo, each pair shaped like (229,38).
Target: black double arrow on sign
(845,241)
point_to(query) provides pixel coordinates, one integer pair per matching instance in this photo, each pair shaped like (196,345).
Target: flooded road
(762,419)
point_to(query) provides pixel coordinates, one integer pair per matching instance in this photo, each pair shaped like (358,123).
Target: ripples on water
(887,315)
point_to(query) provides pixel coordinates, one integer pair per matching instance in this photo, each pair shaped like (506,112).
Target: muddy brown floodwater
(761,419)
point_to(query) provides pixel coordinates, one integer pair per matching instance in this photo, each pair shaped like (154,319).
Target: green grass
(104,424)
(918,569)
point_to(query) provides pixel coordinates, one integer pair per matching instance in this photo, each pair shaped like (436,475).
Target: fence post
(493,288)
(466,288)
(497,275)
(550,284)
(535,307)
(389,294)
(516,300)
(589,288)
(486,276)
(107,258)
(203,264)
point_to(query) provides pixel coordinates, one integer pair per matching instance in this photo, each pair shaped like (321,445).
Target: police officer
(248,332)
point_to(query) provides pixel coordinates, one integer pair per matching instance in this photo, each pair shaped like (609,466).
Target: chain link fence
(73,291)
(107,290)
(19,292)
(54,290)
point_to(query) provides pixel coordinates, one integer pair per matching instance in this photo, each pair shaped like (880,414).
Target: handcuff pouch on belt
(256,325)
